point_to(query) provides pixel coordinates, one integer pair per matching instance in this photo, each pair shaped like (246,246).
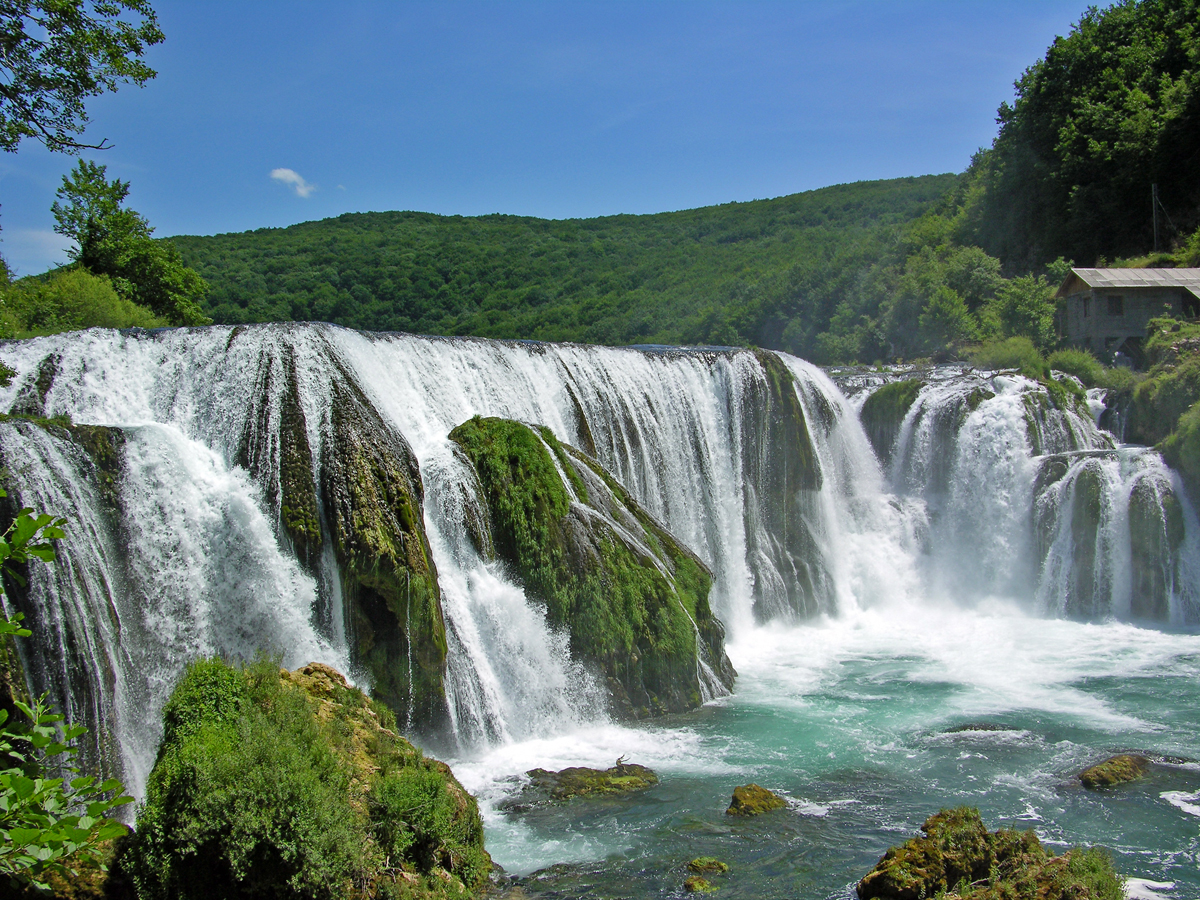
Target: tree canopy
(115,241)
(1112,108)
(54,54)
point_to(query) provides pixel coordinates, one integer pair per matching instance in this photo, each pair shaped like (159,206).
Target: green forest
(933,266)
(860,272)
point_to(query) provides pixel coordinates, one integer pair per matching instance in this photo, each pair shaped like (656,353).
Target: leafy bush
(70,299)
(1080,363)
(47,824)
(1010,353)
(273,784)
(246,796)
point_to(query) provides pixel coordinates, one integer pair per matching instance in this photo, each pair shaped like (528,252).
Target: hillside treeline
(867,271)
(768,272)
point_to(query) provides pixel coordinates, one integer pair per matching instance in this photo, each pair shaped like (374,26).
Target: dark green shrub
(1010,353)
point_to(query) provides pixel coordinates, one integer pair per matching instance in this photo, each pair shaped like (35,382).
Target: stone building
(1106,310)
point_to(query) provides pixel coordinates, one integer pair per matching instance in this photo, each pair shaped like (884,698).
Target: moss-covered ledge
(782,475)
(884,411)
(632,597)
(373,499)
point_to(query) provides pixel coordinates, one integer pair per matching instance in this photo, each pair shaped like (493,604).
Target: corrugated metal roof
(1135,278)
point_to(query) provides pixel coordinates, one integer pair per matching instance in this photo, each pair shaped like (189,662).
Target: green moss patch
(1119,769)
(883,413)
(631,596)
(753,800)
(286,784)
(956,856)
(703,865)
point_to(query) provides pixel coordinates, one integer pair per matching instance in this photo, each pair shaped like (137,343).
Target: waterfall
(187,444)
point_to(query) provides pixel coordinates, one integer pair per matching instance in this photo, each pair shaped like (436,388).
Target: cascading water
(899,590)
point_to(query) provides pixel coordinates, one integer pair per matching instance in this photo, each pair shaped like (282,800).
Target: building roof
(1082,279)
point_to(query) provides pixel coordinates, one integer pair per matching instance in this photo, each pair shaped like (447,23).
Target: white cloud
(292,179)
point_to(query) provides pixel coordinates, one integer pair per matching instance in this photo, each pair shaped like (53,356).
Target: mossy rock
(1120,769)
(275,450)
(1156,532)
(884,411)
(707,865)
(780,472)
(753,800)
(373,498)
(957,857)
(697,884)
(547,787)
(1181,450)
(633,599)
(272,783)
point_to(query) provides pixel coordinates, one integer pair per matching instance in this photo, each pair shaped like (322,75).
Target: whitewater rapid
(949,582)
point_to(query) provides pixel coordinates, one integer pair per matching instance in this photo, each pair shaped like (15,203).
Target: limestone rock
(1119,769)
(581,781)
(752,800)
(633,599)
(957,857)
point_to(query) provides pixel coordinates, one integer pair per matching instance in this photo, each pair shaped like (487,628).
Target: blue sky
(556,109)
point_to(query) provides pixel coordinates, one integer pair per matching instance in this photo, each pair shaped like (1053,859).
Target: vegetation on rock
(957,857)
(271,783)
(696,884)
(1118,769)
(707,864)
(883,413)
(635,600)
(372,495)
(753,800)
(581,781)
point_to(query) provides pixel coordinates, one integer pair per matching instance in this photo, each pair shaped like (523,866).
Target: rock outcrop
(782,477)
(634,600)
(547,787)
(1120,769)
(883,413)
(753,800)
(956,857)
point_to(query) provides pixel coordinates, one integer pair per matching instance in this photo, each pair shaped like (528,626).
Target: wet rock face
(634,600)
(275,450)
(98,455)
(372,496)
(782,473)
(883,413)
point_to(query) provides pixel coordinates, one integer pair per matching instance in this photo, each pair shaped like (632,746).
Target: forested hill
(768,272)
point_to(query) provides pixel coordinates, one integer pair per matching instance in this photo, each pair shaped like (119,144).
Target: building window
(1087,303)
(1116,305)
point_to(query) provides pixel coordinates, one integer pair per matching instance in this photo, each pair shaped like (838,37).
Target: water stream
(1009,567)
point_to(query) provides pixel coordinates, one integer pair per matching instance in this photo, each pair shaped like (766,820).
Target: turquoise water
(850,720)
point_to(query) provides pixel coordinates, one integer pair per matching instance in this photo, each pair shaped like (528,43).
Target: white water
(931,567)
